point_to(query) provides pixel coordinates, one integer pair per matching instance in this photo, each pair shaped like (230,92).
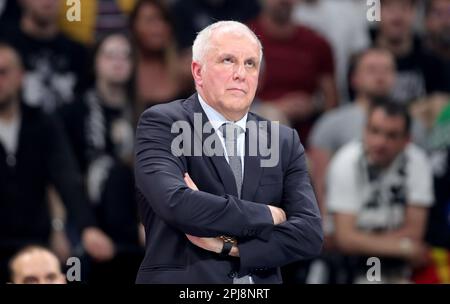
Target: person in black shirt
(34,153)
(101,132)
(54,64)
(396,33)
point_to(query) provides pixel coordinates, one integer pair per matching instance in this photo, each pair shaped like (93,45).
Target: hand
(278,215)
(97,244)
(207,243)
(189,182)
(141,232)
(417,254)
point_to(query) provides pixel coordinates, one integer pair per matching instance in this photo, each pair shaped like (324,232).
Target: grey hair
(201,42)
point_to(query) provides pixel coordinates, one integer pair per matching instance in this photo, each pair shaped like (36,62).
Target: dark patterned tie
(230,132)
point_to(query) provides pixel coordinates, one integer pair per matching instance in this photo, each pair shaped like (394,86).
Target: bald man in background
(36,265)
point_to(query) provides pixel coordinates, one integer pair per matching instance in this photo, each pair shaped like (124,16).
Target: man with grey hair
(222,217)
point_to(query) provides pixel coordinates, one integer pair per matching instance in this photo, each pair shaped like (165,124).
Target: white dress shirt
(217,120)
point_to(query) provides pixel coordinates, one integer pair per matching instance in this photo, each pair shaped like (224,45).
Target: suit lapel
(219,162)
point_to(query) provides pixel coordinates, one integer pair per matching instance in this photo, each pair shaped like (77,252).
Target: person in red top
(298,76)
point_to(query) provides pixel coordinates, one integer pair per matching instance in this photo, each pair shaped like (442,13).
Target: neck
(151,56)
(111,94)
(277,29)
(10,111)
(362,101)
(398,47)
(34,28)
(234,117)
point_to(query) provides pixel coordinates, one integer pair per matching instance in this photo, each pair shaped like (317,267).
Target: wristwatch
(228,243)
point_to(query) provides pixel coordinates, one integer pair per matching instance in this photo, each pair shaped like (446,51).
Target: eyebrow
(234,56)
(226,55)
(30,278)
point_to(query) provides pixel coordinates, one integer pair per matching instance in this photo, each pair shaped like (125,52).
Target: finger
(190,183)
(190,237)
(187,179)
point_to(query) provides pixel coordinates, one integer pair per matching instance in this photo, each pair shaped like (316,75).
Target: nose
(239,72)
(380,141)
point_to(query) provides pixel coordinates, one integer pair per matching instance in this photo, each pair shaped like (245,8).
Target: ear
(196,69)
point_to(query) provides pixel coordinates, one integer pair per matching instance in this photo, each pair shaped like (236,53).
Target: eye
(227,60)
(250,64)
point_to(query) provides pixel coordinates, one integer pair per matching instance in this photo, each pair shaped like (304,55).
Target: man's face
(438,22)
(10,76)
(374,75)
(43,11)
(385,137)
(228,76)
(37,267)
(280,11)
(397,18)
(113,62)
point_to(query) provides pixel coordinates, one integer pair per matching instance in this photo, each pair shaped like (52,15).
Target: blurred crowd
(370,100)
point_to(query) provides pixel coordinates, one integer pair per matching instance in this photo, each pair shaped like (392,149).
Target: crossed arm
(405,242)
(299,237)
(281,236)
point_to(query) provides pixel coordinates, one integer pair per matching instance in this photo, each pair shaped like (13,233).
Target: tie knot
(230,131)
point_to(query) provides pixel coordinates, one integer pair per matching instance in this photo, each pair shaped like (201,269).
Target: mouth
(237,90)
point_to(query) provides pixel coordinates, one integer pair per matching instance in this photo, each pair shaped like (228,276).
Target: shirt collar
(216,119)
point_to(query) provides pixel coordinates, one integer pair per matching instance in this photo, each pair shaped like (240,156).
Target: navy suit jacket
(169,209)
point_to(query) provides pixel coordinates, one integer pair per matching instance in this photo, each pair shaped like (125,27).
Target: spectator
(379,192)
(372,78)
(343,23)
(101,132)
(35,265)
(54,64)
(396,34)
(162,75)
(191,16)
(34,153)
(437,41)
(298,64)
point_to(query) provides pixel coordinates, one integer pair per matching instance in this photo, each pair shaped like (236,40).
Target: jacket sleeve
(301,236)
(159,176)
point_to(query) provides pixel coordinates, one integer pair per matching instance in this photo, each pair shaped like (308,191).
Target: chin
(238,106)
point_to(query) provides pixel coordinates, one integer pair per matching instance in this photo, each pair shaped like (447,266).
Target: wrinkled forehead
(36,263)
(235,32)
(223,40)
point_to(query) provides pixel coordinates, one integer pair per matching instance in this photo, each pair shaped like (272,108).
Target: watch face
(226,248)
